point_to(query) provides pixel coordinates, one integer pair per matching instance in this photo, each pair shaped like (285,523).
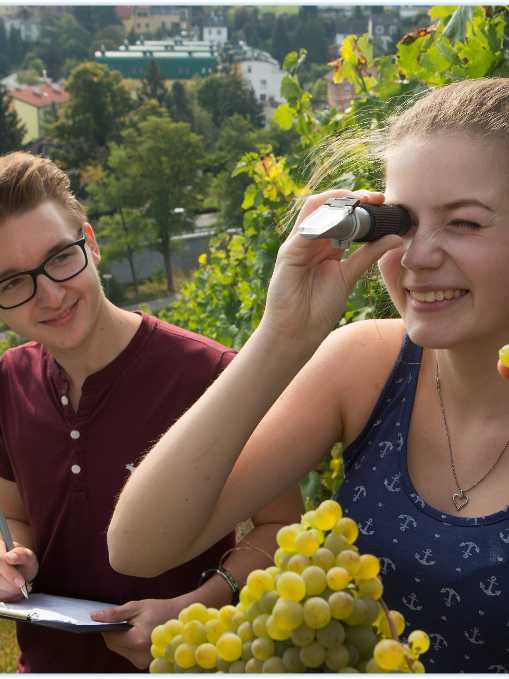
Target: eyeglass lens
(62,266)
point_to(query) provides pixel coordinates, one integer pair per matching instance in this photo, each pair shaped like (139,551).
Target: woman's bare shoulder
(364,353)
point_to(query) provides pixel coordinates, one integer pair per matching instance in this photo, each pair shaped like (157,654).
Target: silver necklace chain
(460,498)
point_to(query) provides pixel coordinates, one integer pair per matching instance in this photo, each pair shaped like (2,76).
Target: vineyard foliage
(224,299)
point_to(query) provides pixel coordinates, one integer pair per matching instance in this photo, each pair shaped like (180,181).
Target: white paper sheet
(46,607)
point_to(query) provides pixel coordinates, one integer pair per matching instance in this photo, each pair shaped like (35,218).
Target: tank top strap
(400,386)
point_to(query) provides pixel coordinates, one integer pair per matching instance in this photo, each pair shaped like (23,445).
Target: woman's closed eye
(465,224)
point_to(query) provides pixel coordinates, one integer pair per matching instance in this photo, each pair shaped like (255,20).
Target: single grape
(213,614)
(327,514)
(353,654)
(370,588)
(503,355)
(237,667)
(349,560)
(372,609)
(213,630)
(419,642)
(259,625)
(308,542)
(229,647)
(160,666)
(263,648)
(258,582)
(281,558)
(245,631)
(253,666)
(341,605)
(158,636)
(418,667)
(312,656)
(238,618)
(336,543)
(359,615)
(268,601)
(206,656)
(347,528)
(389,654)
(247,597)
(291,586)
(323,558)
(314,579)
(331,635)
(288,614)
(226,614)
(292,662)
(316,612)
(337,578)
(298,562)
(308,519)
(275,631)
(171,629)
(373,668)
(194,632)
(246,651)
(287,535)
(303,636)
(397,619)
(363,638)
(157,651)
(369,567)
(185,655)
(274,665)
(255,610)
(198,612)
(336,657)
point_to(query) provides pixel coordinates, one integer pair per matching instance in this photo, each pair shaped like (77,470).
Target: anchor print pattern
(448,575)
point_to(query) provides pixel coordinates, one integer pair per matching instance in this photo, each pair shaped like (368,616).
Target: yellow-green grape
(303,636)
(229,647)
(363,638)
(353,654)
(206,656)
(389,654)
(369,567)
(197,611)
(268,601)
(341,605)
(159,636)
(372,610)
(263,648)
(286,536)
(160,666)
(316,612)
(259,625)
(288,614)
(171,629)
(348,670)
(194,632)
(259,581)
(359,614)
(314,579)
(246,597)
(372,667)
(214,629)
(246,651)
(226,614)
(323,558)
(274,571)
(222,665)
(281,558)
(253,666)
(308,519)
(349,560)
(298,562)
(292,662)
(348,528)
(291,586)
(398,621)
(503,355)
(418,641)
(182,616)
(336,658)
(157,651)
(418,667)
(308,542)
(275,631)
(245,631)
(337,578)
(185,656)
(331,635)
(254,610)
(213,614)
(312,656)
(336,543)
(173,645)
(372,588)
(327,514)
(238,667)
(273,665)
(238,618)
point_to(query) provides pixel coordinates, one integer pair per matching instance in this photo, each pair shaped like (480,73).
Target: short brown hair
(27,180)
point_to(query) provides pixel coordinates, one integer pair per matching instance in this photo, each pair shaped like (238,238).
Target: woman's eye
(465,224)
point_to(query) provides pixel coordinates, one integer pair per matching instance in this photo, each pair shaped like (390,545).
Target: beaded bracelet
(227,576)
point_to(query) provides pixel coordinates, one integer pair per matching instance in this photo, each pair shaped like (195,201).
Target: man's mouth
(62,317)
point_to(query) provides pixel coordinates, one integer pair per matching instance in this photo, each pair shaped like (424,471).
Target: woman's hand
(310,285)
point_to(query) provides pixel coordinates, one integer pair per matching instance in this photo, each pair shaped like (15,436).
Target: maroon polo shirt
(70,467)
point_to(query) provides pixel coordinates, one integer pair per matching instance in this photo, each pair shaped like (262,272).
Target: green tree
(161,173)
(280,38)
(62,39)
(312,36)
(11,128)
(96,17)
(179,104)
(4,58)
(152,84)
(224,95)
(93,117)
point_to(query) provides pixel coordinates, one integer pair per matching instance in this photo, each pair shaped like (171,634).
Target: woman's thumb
(359,261)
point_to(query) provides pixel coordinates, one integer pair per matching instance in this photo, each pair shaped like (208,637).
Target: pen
(6,535)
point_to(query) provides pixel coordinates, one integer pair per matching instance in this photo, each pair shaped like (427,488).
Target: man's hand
(16,567)
(144,615)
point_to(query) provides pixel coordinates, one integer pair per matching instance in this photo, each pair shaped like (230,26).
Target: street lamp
(107,277)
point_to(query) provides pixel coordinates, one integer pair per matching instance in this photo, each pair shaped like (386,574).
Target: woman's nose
(422,248)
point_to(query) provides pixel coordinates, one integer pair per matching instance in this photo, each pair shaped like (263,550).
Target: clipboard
(60,612)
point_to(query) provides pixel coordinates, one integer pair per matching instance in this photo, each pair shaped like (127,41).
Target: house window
(263,84)
(263,97)
(249,69)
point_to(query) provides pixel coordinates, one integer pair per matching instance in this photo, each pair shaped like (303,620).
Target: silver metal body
(342,224)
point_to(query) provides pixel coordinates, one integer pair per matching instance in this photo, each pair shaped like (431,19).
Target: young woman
(417,401)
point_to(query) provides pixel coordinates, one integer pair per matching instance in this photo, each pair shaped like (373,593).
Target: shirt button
(64,400)
(75,469)
(75,434)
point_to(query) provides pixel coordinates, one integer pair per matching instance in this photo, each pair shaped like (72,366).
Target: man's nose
(49,293)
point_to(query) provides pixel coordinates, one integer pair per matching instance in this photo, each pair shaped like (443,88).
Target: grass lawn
(8,646)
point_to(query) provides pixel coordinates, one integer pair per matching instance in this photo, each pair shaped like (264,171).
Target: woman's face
(450,278)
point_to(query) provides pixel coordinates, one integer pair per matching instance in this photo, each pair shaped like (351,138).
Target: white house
(262,72)
(217,35)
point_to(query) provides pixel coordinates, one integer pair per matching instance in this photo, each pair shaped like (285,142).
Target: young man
(92,390)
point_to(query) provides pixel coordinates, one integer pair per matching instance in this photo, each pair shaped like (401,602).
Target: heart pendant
(460,500)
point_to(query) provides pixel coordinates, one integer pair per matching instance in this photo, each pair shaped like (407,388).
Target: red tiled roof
(40,95)
(123,11)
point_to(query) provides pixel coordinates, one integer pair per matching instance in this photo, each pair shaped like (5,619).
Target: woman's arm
(184,495)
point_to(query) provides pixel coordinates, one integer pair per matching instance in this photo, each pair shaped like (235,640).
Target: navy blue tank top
(448,575)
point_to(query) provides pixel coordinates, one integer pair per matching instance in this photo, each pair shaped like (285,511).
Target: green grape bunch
(318,608)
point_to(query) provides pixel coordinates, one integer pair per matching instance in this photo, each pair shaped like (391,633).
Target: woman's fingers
(356,264)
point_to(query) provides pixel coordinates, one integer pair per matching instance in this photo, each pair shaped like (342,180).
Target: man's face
(60,315)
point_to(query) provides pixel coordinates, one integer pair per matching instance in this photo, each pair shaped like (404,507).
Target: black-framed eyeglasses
(61,266)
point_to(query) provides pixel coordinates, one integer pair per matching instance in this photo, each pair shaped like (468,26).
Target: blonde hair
(26,181)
